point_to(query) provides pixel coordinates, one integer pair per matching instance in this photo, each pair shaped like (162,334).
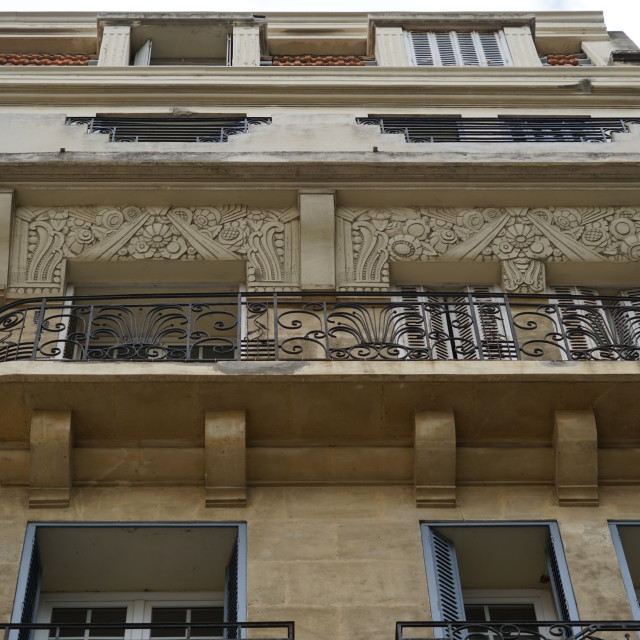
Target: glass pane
(169,615)
(475,612)
(111,615)
(207,614)
(61,615)
(512,612)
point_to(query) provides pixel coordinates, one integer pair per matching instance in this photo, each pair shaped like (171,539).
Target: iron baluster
(276,342)
(36,340)
(512,328)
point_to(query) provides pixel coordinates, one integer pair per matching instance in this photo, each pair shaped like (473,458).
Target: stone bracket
(225,458)
(575,443)
(435,459)
(50,463)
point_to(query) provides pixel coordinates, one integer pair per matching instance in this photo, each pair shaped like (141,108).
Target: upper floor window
(458,49)
(482,572)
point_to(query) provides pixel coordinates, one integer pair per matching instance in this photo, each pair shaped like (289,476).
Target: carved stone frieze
(45,238)
(523,239)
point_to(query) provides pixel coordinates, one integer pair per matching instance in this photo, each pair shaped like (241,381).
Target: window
(626,541)
(480,572)
(598,326)
(468,322)
(99,574)
(458,49)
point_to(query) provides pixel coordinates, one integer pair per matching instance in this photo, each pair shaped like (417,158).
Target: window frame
(627,580)
(30,552)
(554,539)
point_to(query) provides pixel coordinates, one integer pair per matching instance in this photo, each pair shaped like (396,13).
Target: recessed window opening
(513,572)
(101,574)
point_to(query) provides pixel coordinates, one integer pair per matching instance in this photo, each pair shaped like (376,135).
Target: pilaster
(317,240)
(6,211)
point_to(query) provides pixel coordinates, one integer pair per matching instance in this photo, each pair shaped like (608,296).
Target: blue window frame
(626,542)
(495,558)
(104,557)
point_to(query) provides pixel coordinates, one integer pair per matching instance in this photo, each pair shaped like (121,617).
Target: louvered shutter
(584,323)
(421,49)
(493,49)
(560,582)
(142,57)
(443,578)
(497,339)
(28,588)
(231,592)
(467,49)
(459,48)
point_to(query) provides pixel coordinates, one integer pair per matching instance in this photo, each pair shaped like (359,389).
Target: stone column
(246,47)
(521,46)
(391,48)
(50,466)
(317,240)
(6,210)
(115,50)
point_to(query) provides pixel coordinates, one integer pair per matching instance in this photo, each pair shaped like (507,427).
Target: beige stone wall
(345,562)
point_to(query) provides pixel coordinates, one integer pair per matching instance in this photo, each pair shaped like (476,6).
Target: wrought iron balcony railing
(131,129)
(496,630)
(569,129)
(308,326)
(148,631)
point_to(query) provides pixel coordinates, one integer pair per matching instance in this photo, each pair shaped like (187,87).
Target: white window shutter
(468,50)
(493,49)
(443,577)
(422,49)
(142,57)
(459,49)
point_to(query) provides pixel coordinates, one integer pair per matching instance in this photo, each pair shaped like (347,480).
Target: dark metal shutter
(231,592)
(445,593)
(560,583)
(31,591)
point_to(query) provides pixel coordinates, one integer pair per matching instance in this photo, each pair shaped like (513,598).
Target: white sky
(620,15)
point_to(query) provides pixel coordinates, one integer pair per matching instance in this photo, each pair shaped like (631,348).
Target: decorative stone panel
(523,239)
(45,238)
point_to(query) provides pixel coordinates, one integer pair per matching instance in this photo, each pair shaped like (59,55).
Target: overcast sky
(620,15)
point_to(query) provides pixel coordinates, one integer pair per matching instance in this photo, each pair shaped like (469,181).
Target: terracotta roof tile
(317,61)
(43,60)
(564,60)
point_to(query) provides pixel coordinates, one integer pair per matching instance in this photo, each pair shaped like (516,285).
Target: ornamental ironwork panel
(568,129)
(132,129)
(307,326)
(518,630)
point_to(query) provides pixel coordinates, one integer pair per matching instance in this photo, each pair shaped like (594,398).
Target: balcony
(131,129)
(167,631)
(569,129)
(315,326)
(508,630)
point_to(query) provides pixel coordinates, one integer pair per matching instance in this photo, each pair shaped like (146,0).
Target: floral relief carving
(523,239)
(266,239)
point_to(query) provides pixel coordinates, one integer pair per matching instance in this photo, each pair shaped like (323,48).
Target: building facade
(337,347)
